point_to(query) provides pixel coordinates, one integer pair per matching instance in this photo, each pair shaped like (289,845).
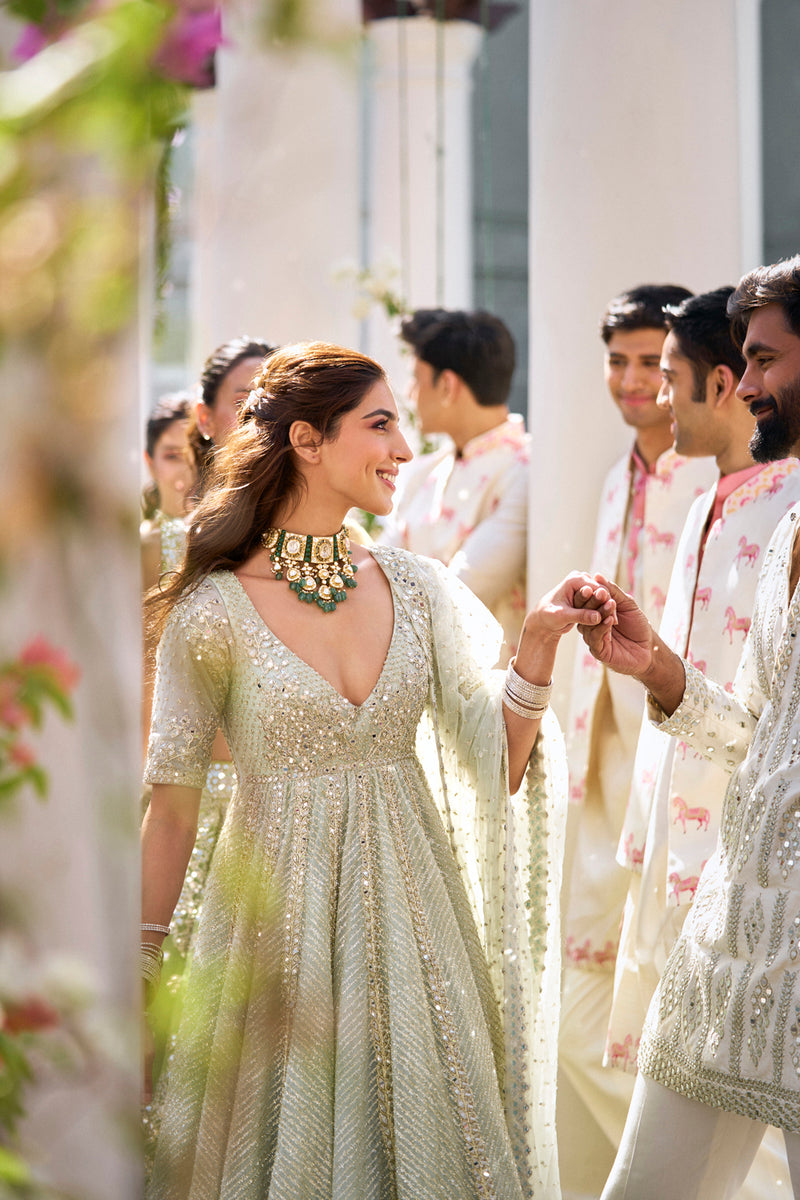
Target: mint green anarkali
(372,1002)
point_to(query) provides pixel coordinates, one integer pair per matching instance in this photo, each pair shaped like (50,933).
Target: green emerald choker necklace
(319,569)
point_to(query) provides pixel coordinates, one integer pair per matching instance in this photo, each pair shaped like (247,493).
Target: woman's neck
(321,520)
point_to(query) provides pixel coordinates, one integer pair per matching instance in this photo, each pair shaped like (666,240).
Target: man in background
(466,503)
(674,811)
(643,505)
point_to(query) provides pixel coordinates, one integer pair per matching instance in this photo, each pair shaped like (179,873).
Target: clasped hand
(577,600)
(626,644)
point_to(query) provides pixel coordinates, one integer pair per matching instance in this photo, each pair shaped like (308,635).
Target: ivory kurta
(640,518)
(724,1024)
(470,511)
(673,816)
(635,547)
(362,1018)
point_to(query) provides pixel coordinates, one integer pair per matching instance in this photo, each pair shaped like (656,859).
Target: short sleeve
(193,668)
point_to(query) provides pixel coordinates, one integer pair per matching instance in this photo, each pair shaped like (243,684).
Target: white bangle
(150,960)
(155,928)
(528,711)
(524,692)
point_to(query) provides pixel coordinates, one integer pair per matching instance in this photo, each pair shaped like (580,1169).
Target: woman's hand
(577,600)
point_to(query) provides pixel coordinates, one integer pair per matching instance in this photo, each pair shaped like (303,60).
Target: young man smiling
(641,512)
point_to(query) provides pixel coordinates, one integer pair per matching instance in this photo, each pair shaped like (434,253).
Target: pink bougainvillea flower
(21,754)
(41,653)
(187,51)
(12,715)
(32,40)
(28,1015)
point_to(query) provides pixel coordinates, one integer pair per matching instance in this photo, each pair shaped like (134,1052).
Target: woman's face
(360,463)
(172,469)
(217,421)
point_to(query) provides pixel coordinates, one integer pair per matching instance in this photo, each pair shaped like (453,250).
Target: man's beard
(777,435)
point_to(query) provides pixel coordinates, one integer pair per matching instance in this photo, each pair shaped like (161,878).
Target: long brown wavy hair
(256,472)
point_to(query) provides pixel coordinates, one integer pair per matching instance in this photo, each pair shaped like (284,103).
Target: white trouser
(676,1147)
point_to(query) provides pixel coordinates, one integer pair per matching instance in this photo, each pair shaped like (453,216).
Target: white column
(634,164)
(276,188)
(420,167)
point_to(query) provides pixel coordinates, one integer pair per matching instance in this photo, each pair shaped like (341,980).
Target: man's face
(770,386)
(684,400)
(426,394)
(633,376)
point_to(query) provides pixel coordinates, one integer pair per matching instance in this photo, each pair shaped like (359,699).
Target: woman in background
(165,500)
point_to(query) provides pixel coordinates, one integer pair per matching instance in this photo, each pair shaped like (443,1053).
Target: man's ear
(451,385)
(721,384)
(305,440)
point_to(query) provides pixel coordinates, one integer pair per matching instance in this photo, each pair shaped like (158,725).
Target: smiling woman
(373,940)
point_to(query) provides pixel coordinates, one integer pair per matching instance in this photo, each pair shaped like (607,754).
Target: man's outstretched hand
(625,646)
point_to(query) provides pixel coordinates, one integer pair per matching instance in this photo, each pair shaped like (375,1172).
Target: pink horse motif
(658,597)
(734,623)
(685,813)
(656,538)
(577,953)
(689,884)
(607,955)
(703,597)
(633,854)
(748,551)
(620,1052)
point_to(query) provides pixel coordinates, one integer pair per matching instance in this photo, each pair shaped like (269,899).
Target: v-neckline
(313,670)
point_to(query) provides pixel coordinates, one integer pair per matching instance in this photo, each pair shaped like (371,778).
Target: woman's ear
(305,440)
(203,414)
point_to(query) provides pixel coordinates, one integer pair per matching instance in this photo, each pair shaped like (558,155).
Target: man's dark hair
(640,308)
(476,345)
(776,284)
(703,332)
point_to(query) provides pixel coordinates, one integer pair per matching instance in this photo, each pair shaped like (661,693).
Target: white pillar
(634,166)
(419,210)
(276,189)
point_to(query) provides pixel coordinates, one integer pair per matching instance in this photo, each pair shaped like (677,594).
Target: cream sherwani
(470,511)
(640,519)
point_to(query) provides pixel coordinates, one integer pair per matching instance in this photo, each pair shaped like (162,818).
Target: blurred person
(466,504)
(224,385)
(372,999)
(674,811)
(165,500)
(642,508)
(718,1060)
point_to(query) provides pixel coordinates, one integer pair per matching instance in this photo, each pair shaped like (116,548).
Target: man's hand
(577,600)
(626,645)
